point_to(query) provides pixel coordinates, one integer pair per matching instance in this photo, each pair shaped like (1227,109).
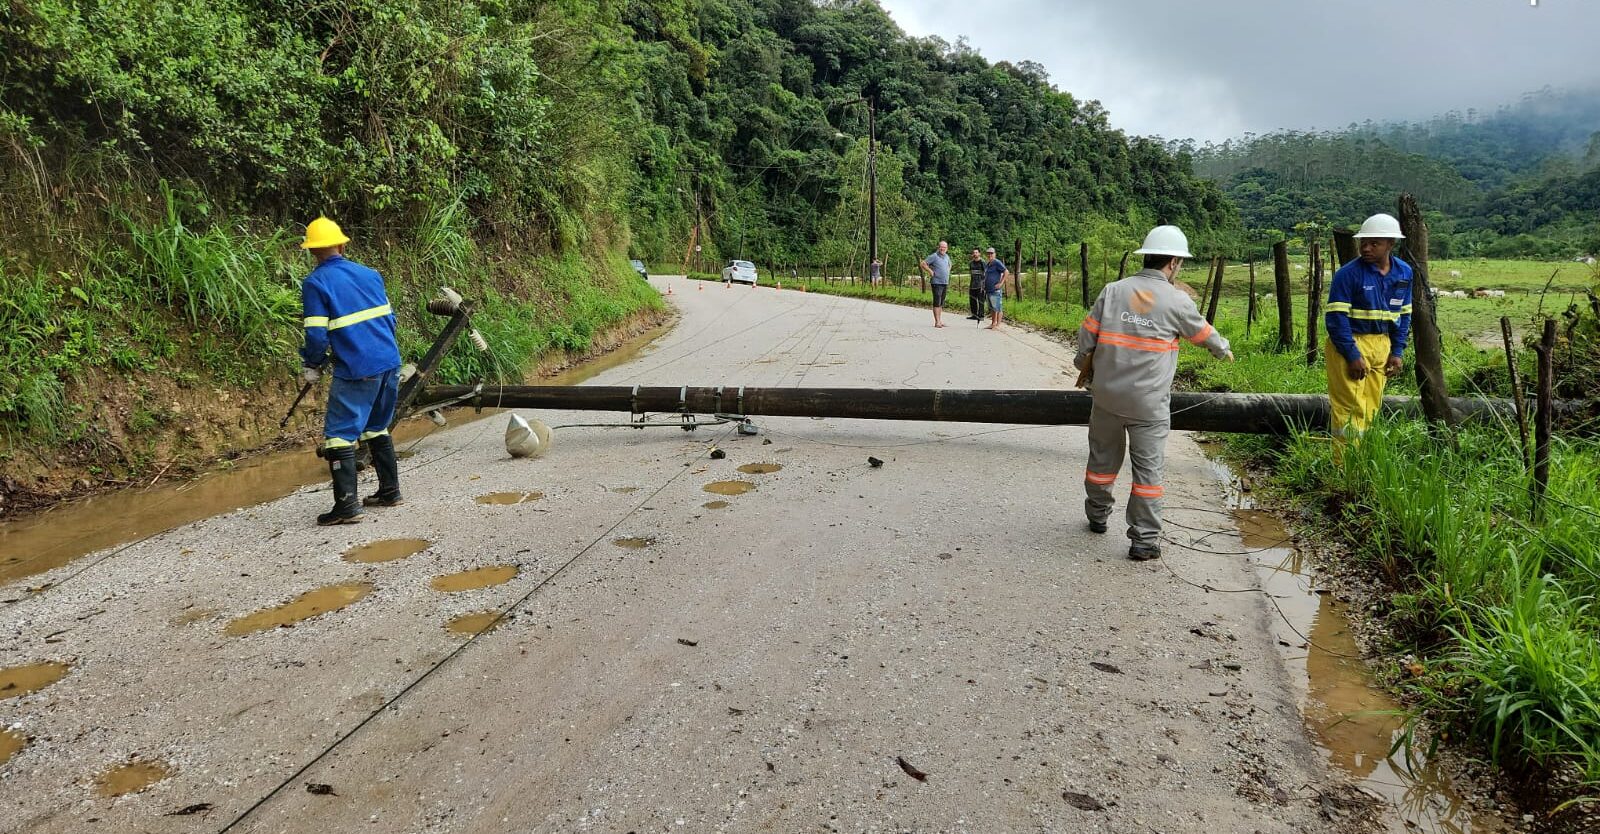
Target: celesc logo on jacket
(1134,318)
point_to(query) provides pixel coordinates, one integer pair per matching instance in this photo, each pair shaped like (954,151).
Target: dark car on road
(638,266)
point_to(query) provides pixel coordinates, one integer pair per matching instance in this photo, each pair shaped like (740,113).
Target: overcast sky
(1214,69)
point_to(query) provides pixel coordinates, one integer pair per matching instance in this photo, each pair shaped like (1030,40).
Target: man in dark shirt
(975,288)
(994,279)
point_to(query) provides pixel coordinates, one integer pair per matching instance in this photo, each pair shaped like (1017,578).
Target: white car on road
(742,272)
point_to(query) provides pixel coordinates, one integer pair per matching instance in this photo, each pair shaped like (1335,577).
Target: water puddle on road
(472,580)
(131,777)
(41,542)
(11,743)
(387,550)
(760,468)
(716,505)
(634,542)
(467,625)
(729,487)
(18,681)
(1350,718)
(304,607)
(505,499)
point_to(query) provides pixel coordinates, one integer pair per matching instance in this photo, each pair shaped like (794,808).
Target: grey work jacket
(1132,335)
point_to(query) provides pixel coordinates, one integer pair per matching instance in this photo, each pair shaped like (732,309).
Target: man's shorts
(995,301)
(939,291)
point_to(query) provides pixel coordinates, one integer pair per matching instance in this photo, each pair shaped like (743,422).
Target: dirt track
(764,666)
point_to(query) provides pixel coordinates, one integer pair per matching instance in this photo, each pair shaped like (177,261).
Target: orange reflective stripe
(1139,342)
(1099,477)
(1205,333)
(1091,324)
(1148,491)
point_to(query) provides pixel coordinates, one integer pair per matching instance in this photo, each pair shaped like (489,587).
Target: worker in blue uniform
(347,314)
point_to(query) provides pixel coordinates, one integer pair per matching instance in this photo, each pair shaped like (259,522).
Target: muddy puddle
(40,542)
(634,542)
(729,487)
(304,607)
(470,624)
(1348,717)
(131,777)
(716,505)
(11,743)
(506,499)
(387,550)
(760,468)
(472,580)
(18,681)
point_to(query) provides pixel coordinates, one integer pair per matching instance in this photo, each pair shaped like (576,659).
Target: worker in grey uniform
(1127,354)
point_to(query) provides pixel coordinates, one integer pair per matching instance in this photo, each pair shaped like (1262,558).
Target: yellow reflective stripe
(337,443)
(357,318)
(1338,307)
(371,434)
(1406,310)
(1374,315)
(316,321)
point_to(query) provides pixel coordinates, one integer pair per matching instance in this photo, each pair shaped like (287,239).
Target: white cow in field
(1455,273)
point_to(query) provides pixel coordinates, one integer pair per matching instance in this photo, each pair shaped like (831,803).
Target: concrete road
(934,645)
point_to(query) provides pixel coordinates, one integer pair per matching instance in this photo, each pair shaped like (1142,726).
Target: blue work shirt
(347,310)
(939,267)
(1364,301)
(994,273)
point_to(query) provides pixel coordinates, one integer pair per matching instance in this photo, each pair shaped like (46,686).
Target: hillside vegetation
(162,155)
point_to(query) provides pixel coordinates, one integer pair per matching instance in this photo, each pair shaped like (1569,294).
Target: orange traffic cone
(780,285)
(700,285)
(669,289)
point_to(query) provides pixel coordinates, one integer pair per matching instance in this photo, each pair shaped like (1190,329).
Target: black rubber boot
(387,466)
(346,506)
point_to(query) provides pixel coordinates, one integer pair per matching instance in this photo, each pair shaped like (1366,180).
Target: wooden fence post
(1250,306)
(1314,304)
(1122,268)
(1344,246)
(1083,264)
(1049,272)
(1280,276)
(1216,290)
(1542,416)
(1016,275)
(1424,327)
(1516,390)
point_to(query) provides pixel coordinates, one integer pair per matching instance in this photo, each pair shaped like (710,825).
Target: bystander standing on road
(975,298)
(937,267)
(994,280)
(877,272)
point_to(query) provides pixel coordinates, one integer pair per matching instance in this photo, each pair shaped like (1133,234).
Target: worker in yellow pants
(1368,319)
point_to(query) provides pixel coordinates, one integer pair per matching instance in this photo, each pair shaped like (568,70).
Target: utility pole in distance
(872,175)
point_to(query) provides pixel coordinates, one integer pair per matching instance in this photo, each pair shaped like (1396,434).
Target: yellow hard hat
(322,233)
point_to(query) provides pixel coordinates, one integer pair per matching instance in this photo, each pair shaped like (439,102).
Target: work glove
(310,375)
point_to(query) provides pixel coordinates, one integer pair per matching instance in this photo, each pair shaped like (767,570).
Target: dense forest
(161,156)
(1522,181)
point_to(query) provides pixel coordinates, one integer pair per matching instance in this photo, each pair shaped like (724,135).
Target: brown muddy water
(18,681)
(41,542)
(505,499)
(304,607)
(386,550)
(467,625)
(11,742)
(1348,716)
(715,505)
(729,487)
(131,777)
(472,580)
(760,468)
(634,542)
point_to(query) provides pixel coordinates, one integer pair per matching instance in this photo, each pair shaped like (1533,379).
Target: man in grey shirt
(937,267)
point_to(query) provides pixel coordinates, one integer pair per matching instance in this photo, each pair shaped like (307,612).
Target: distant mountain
(1521,181)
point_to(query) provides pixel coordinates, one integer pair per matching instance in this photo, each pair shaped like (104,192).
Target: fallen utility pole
(1232,413)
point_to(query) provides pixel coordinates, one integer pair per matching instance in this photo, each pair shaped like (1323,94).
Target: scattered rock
(1082,801)
(320,789)
(1105,667)
(947,556)
(1232,665)
(874,462)
(718,454)
(190,810)
(684,641)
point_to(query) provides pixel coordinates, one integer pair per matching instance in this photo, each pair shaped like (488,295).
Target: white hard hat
(1165,240)
(525,439)
(1381,225)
